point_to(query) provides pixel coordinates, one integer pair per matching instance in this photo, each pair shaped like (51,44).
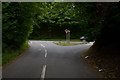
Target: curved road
(46,60)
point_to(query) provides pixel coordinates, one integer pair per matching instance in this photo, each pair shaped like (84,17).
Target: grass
(61,43)
(9,56)
(74,40)
(64,43)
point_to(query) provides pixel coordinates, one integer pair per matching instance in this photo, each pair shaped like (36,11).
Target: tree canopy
(49,20)
(53,18)
(17,24)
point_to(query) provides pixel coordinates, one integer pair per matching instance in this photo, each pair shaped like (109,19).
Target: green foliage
(49,20)
(83,19)
(53,19)
(63,43)
(17,24)
(10,55)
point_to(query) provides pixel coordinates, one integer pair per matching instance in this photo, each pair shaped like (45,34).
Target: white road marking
(45,53)
(43,72)
(42,45)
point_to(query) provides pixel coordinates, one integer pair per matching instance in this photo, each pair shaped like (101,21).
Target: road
(47,60)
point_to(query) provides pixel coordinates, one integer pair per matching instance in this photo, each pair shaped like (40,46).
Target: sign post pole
(67,35)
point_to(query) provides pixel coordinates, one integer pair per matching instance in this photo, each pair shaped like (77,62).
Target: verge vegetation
(64,43)
(10,55)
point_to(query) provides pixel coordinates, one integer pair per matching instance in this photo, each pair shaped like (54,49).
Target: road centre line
(42,45)
(45,53)
(43,72)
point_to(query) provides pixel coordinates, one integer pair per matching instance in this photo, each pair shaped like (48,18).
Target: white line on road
(45,53)
(42,45)
(43,72)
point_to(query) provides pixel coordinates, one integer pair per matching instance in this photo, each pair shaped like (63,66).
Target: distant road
(46,60)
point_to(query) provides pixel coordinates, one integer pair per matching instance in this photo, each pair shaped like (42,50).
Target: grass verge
(9,56)
(64,43)
(60,43)
(73,40)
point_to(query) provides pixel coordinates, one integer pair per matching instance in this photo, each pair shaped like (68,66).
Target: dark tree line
(111,30)
(17,22)
(21,21)
(54,18)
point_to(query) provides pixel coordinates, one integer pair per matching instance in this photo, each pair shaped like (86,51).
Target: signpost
(67,35)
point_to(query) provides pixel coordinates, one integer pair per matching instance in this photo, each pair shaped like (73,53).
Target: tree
(17,24)
(53,19)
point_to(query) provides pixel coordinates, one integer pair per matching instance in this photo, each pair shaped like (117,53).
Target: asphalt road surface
(44,59)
